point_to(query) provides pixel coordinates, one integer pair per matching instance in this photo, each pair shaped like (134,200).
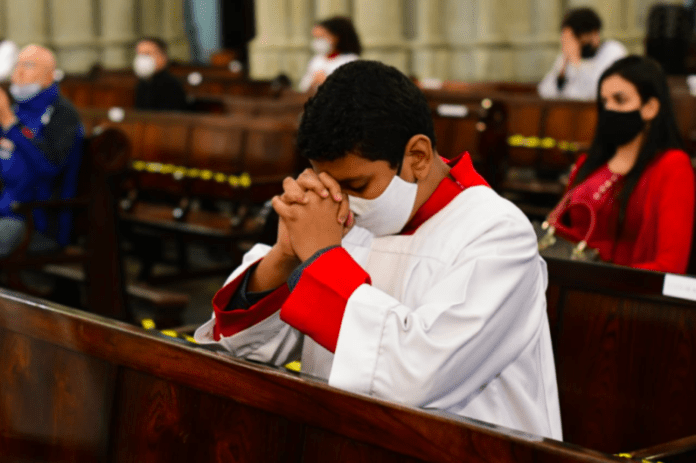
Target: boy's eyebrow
(351,179)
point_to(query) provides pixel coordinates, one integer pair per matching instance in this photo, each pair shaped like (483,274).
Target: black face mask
(588,51)
(617,128)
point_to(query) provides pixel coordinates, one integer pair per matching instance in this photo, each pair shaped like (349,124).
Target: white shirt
(325,64)
(581,79)
(8,59)
(455,319)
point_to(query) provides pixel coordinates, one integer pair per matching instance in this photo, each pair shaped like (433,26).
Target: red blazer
(659,220)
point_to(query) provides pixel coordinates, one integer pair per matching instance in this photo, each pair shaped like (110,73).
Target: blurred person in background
(157,89)
(583,59)
(335,42)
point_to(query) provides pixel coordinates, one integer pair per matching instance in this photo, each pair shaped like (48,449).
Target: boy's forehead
(349,166)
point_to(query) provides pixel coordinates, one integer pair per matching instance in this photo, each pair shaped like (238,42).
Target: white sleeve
(471,322)
(312,67)
(270,341)
(548,87)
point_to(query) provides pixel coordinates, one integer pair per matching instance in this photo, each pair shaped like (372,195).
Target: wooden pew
(625,356)
(543,139)
(104,89)
(200,178)
(78,387)
(478,126)
(92,264)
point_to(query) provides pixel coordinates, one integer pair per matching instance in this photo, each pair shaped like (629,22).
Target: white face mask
(321,46)
(388,213)
(144,66)
(22,93)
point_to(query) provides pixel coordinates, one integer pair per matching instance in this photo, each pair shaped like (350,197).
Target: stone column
(493,54)
(173,30)
(379,23)
(298,50)
(459,24)
(117,33)
(26,21)
(149,19)
(327,8)
(73,34)
(546,16)
(430,55)
(266,57)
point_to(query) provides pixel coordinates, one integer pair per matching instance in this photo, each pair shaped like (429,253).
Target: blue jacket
(40,158)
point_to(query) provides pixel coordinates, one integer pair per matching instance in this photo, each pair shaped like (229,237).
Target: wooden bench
(105,89)
(200,178)
(79,387)
(93,264)
(625,356)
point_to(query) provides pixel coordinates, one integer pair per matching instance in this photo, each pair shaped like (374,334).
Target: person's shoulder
(614,47)
(673,159)
(347,58)
(481,208)
(165,77)
(65,111)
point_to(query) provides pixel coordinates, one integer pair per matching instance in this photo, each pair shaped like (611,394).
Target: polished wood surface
(625,356)
(79,387)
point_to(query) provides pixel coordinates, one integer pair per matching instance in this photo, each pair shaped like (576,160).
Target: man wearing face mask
(395,273)
(583,59)
(40,152)
(157,89)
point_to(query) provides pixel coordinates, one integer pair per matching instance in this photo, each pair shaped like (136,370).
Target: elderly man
(157,89)
(40,152)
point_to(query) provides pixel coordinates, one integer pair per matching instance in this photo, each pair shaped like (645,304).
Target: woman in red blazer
(636,175)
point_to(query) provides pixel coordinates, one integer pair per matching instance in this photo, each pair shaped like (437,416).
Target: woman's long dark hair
(342,28)
(661,133)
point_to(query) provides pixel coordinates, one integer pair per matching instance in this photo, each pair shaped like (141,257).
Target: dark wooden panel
(162,421)
(321,446)
(169,407)
(625,356)
(54,403)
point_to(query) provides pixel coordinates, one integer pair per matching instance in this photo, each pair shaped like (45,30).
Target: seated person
(157,89)
(40,152)
(8,59)
(395,273)
(584,56)
(636,176)
(335,43)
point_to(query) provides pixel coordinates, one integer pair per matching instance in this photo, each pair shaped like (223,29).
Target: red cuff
(229,322)
(316,305)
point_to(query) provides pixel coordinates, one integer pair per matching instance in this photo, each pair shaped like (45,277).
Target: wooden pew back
(624,356)
(78,387)
(190,154)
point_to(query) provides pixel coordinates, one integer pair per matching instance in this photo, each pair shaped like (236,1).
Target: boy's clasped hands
(314,214)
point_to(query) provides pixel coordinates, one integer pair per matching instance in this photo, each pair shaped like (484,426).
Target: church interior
(159,147)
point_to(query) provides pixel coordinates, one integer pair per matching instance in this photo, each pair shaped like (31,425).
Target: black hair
(581,21)
(365,108)
(159,43)
(660,134)
(342,28)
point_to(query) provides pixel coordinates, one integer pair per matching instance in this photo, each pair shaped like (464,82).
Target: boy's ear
(419,156)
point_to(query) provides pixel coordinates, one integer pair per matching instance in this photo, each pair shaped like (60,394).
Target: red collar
(463,175)
(332,55)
